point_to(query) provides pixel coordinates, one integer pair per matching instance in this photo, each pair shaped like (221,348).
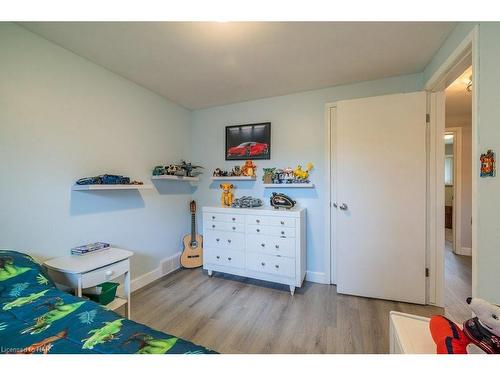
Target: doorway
(458,196)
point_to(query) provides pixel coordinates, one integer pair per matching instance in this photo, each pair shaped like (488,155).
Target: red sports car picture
(248,149)
(250,141)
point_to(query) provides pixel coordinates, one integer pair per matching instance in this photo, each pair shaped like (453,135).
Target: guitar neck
(193,227)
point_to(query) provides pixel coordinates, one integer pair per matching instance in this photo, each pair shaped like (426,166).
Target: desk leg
(78,290)
(127,294)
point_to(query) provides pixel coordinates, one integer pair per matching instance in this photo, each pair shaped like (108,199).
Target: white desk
(86,271)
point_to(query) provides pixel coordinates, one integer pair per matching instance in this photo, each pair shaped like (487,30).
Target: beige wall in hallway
(466,173)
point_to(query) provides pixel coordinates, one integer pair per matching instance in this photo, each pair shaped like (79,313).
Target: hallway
(457,284)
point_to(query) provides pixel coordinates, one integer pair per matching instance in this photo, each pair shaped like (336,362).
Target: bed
(36,317)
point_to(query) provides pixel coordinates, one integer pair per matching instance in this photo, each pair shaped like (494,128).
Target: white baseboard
(464,251)
(316,277)
(166,266)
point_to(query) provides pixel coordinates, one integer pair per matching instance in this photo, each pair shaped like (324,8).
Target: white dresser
(261,243)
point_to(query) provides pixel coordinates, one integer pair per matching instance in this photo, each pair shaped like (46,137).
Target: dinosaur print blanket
(36,317)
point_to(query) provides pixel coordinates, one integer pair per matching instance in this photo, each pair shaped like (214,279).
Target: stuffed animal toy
(227,195)
(448,336)
(248,168)
(484,329)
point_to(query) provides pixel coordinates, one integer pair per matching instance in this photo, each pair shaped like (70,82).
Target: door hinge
(427,118)
(427,272)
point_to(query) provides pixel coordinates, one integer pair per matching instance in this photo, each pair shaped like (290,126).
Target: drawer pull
(282,232)
(277,265)
(234,228)
(234,219)
(229,241)
(218,257)
(263,264)
(257,220)
(277,246)
(213,217)
(109,272)
(282,223)
(213,225)
(229,258)
(258,230)
(263,244)
(217,239)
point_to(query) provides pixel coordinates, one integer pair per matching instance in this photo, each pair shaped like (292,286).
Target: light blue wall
(298,130)
(488,235)
(488,133)
(63,117)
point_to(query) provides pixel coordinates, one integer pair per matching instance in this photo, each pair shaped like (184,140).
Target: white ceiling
(458,99)
(199,65)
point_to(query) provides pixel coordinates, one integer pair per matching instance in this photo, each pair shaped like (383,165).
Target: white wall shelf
(175,178)
(299,185)
(110,187)
(234,178)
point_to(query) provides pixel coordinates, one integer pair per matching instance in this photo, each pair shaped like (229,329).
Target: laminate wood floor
(237,315)
(457,282)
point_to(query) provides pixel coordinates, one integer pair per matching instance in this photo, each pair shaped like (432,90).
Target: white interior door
(380,181)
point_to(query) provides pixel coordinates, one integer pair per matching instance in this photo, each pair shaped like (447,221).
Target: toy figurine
(268,175)
(488,164)
(301,174)
(236,171)
(288,175)
(159,170)
(248,169)
(227,195)
(217,172)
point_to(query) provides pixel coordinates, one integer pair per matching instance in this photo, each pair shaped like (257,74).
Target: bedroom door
(380,183)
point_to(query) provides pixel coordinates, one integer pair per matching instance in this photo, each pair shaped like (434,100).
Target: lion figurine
(227,195)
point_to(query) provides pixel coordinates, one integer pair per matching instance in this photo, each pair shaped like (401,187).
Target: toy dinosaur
(103,334)
(303,174)
(21,301)
(59,311)
(8,269)
(227,195)
(150,345)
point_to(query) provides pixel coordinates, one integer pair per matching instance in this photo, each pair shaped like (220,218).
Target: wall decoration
(488,168)
(227,196)
(248,142)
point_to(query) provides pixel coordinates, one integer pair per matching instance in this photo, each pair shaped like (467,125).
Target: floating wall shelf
(280,186)
(175,178)
(110,187)
(234,178)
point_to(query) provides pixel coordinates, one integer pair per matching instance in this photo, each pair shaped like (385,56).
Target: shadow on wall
(215,185)
(91,202)
(172,187)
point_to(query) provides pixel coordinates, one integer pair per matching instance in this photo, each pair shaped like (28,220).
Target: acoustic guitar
(192,255)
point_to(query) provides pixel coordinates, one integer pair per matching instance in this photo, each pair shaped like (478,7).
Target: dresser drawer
(228,218)
(224,257)
(224,240)
(104,274)
(224,226)
(257,219)
(271,245)
(270,230)
(271,264)
(281,221)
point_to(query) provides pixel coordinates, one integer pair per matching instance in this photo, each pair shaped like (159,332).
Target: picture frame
(248,141)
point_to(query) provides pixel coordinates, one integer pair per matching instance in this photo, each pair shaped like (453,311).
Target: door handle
(343,207)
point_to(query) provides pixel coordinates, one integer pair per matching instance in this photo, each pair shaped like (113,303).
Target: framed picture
(248,142)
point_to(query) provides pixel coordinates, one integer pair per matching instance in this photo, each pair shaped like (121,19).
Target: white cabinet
(261,243)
